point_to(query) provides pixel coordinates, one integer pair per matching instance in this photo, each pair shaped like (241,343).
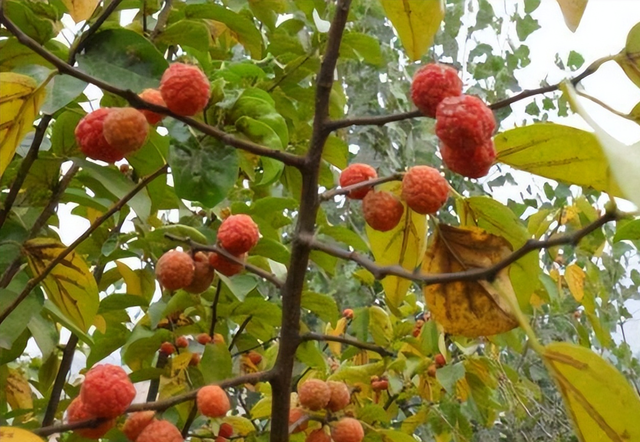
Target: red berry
(314,394)
(440,360)
(347,313)
(213,401)
(185,89)
(382,210)
(431,371)
(238,234)
(91,140)
(433,83)
(182,342)
(226,430)
(255,357)
(203,338)
(424,189)
(295,414)
(357,173)
(464,122)
(136,423)
(225,265)
(107,391)
(380,385)
(160,431)
(153,96)
(318,435)
(203,274)
(167,348)
(472,163)
(195,359)
(126,128)
(340,396)
(175,270)
(347,430)
(77,412)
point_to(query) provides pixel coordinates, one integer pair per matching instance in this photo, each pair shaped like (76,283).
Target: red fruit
(347,313)
(295,414)
(167,348)
(175,270)
(220,439)
(136,423)
(416,332)
(218,338)
(357,173)
(195,359)
(203,338)
(77,412)
(238,234)
(318,435)
(431,370)
(433,83)
(126,129)
(382,210)
(185,89)
(255,357)
(314,394)
(340,396)
(464,122)
(160,431)
(424,189)
(226,430)
(202,274)
(91,140)
(440,360)
(153,96)
(380,385)
(213,401)
(107,391)
(225,265)
(347,430)
(182,342)
(472,163)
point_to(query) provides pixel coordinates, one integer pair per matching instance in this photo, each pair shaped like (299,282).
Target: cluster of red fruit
(169,348)
(464,123)
(315,395)
(424,190)
(110,134)
(178,270)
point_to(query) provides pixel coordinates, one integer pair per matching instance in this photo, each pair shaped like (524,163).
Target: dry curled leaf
(474,308)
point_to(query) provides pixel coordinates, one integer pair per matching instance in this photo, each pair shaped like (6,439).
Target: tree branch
(163,16)
(240,330)
(214,309)
(329,194)
(344,340)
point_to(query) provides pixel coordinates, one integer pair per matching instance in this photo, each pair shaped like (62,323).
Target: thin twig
(81,42)
(247,350)
(240,330)
(329,194)
(214,309)
(61,379)
(163,16)
(348,341)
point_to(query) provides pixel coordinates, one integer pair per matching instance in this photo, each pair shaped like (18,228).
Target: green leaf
(380,326)
(309,354)
(525,26)
(104,344)
(14,54)
(396,436)
(38,27)
(216,364)
(449,375)
(13,326)
(336,152)
(142,346)
(629,58)
(346,236)
(322,305)
(193,33)
(63,140)
(416,22)
(629,230)
(562,153)
(62,90)
(147,160)
(361,47)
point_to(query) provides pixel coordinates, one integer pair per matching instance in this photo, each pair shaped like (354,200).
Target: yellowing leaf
(134,286)
(241,425)
(380,326)
(20,101)
(574,276)
(416,22)
(629,58)
(602,404)
(404,245)
(572,11)
(80,9)
(18,392)
(70,285)
(262,408)
(469,309)
(562,153)
(341,325)
(17,435)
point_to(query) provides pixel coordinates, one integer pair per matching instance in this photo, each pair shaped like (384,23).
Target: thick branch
(329,194)
(476,274)
(348,341)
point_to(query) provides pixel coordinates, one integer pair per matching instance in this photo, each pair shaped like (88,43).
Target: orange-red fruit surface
(175,270)
(76,412)
(90,137)
(225,265)
(155,97)
(382,210)
(347,430)
(203,274)
(107,391)
(160,431)
(464,122)
(424,189)
(472,163)
(137,422)
(433,83)
(213,401)
(238,234)
(126,129)
(354,174)
(185,89)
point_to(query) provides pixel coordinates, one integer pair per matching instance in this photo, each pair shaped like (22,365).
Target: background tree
(293,93)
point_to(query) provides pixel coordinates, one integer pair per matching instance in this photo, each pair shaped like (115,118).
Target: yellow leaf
(134,287)
(80,9)
(562,153)
(404,245)
(469,309)
(602,404)
(241,425)
(262,408)
(341,325)
(12,434)
(416,22)
(574,276)
(18,393)
(380,326)
(70,285)
(20,101)
(572,11)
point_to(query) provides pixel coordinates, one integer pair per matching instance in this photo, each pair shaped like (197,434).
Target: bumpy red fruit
(213,401)
(440,360)
(472,163)
(255,357)
(226,430)
(203,339)
(175,270)
(318,435)
(357,173)
(226,266)
(160,431)
(195,359)
(238,234)
(167,348)
(340,396)
(433,83)
(347,430)
(464,122)
(91,140)
(185,89)
(136,423)
(202,275)
(126,129)
(107,391)
(295,414)
(382,210)
(155,97)
(424,189)
(182,342)
(347,313)
(314,394)
(77,412)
